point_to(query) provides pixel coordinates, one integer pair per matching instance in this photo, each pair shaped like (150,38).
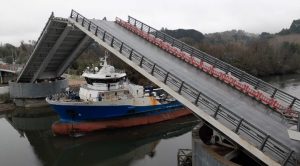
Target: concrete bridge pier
(210,147)
(34,94)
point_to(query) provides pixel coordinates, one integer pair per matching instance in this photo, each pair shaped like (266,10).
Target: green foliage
(295,27)
(249,52)
(284,32)
(229,36)
(10,53)
(266,35)
(185,33)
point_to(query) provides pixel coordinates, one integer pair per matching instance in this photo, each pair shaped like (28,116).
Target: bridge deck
(244,106)
(59,44)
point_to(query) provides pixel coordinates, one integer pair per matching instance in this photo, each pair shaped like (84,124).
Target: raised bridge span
(247,110)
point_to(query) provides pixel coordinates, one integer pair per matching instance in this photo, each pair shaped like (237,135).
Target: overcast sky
(25,19)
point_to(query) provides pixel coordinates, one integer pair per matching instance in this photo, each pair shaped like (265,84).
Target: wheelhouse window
(105,81)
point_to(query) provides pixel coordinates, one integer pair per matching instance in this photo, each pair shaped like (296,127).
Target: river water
(26,139)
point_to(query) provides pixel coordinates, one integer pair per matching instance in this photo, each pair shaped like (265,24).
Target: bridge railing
(287,103)
(265,143)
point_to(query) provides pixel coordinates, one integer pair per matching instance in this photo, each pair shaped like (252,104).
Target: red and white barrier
(215,72)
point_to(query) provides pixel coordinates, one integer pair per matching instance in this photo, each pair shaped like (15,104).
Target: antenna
(104,60)
(106,53)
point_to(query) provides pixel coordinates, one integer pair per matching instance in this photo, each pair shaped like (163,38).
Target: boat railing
(66,95)
(93,71)
(119,71)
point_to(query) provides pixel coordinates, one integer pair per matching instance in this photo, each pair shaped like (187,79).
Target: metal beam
(71,57)
(231,155)
(47,75)
(67,41)
(51,52)
(77,35)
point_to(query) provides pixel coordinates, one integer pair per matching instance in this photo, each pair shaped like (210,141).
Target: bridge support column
(208,147)
(34,94)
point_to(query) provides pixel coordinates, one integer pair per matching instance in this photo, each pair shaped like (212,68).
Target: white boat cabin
(108,84)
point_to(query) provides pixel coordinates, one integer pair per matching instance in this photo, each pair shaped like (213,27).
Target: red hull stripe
(61,128)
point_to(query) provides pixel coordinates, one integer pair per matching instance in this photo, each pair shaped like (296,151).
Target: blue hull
(90,112)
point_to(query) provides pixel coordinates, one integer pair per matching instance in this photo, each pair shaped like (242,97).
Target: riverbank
(4,98)
(5,101)
(4,107)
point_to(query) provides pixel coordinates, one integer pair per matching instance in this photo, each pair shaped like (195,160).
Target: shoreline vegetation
(261,55)
(6,103)
(4,98)
(5,107)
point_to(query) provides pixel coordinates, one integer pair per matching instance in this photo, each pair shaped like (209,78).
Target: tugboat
(109,100)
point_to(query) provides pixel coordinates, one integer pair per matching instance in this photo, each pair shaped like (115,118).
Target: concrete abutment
(34,94)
